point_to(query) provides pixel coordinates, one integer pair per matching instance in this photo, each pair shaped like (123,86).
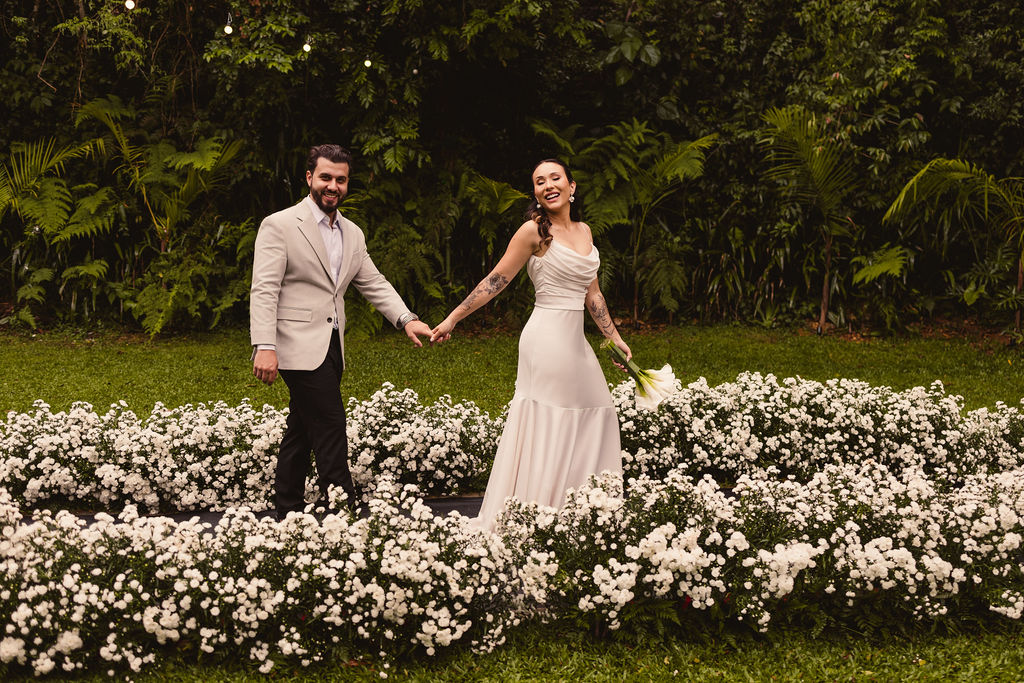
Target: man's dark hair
(334,153)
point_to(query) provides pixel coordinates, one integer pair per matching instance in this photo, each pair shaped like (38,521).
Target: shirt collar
(319,216)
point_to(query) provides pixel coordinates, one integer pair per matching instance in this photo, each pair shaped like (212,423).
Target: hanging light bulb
(227,26)
(367,63)
(129,4)
(306,47)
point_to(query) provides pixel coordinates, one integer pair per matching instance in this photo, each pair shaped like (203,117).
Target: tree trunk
(636,302)
(1020,286)
(82,44)
(824,284)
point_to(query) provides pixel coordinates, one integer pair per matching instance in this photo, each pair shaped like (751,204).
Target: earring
(572,198)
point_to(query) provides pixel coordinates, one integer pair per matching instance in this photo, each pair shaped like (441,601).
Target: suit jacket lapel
(348,243)
(312,234)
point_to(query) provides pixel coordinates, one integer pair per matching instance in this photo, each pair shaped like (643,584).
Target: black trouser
(316,421)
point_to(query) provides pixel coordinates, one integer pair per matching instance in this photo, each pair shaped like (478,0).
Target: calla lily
(652,386)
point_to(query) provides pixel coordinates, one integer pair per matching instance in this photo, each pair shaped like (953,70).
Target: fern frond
(48,207)
(110,111)
(684,160)
(90,270)
(94,214)
(203,158)
(491,196)
(889,260)
(564,140)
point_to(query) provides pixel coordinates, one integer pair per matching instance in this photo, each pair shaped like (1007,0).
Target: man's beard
(318,197)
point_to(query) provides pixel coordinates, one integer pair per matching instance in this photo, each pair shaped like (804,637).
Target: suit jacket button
(330,320)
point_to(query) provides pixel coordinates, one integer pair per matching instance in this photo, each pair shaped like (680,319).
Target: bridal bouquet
(652,386)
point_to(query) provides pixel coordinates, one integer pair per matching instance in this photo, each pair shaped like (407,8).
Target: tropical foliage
(160,140)
(960,188)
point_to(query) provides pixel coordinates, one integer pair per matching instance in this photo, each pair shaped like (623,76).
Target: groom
(305,258)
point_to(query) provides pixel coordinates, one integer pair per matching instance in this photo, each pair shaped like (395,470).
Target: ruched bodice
(561,276)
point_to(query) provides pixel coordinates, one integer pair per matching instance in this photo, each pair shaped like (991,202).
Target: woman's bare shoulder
(528,231)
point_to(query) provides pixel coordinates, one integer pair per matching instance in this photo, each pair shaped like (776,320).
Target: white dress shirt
(331,232)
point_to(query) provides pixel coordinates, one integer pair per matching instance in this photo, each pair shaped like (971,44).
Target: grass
(551,654)
(63,367)
(101,368)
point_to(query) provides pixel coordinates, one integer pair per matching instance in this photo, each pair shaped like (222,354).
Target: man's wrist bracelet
(405,319)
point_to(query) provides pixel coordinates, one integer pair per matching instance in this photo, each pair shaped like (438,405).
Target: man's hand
(414,329)
(264,366)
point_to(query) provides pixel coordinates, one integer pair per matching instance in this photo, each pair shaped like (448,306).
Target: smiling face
(552,187)
(328,184)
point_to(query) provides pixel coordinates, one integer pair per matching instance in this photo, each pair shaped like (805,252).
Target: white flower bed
(184,458)
(442,448)
(801,425)
(852,542)
(851,504)
(217,456)
(120,593)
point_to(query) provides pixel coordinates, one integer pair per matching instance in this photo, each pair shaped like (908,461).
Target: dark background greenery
(142,148)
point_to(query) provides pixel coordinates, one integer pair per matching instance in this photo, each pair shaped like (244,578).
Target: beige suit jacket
(293,297)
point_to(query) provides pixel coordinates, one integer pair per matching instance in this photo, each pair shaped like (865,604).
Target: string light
(367,63)
(129,4)
(227,26)
(306,47)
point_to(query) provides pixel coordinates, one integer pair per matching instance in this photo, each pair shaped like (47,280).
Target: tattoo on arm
(488,287)
(599,312)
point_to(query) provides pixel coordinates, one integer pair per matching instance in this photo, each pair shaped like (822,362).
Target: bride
(561,425)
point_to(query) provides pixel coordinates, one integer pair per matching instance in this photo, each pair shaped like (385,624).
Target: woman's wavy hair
(536,212)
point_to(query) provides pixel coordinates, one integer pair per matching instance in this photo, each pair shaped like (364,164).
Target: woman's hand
(625,349)
(443,332)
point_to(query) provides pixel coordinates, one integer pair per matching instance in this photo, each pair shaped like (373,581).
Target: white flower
(654,386)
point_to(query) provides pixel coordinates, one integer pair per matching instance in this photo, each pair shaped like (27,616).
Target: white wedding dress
(561,425)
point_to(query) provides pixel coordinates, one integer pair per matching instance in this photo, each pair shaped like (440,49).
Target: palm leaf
(952,181)
(817,169)
(110,111)
(28,174)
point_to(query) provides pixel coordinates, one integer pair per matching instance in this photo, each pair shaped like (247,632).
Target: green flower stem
(619,356)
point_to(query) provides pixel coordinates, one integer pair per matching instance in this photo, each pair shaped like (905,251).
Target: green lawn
(102,368)
(549,654)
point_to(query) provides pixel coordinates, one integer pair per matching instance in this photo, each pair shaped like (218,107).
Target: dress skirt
(561,426)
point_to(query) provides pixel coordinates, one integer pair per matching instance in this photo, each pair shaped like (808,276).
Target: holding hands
(443,332)
(414,329)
